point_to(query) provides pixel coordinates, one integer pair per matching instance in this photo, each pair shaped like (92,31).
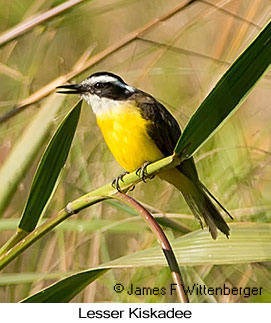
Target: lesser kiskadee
(139,130)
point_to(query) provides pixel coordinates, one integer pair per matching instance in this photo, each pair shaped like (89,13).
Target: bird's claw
(142,172)
(115,182)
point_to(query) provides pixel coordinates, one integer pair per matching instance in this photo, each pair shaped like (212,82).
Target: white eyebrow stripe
(107,79)
(103,79)
(129,88)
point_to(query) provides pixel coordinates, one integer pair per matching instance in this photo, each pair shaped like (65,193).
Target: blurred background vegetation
(178,61)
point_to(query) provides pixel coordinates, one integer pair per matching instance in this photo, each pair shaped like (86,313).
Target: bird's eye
(98,85)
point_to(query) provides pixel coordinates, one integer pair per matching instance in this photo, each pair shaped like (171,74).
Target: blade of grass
(26,148)
(250,242)
(87,226)
(64,292)
(102,224)
(30,277)
(227,95)
(49,169)
(46,177)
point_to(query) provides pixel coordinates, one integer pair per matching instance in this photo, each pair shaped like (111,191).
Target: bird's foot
(115,182)
(142,172)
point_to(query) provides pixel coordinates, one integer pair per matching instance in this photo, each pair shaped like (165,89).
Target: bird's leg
(115,182)
(142,172)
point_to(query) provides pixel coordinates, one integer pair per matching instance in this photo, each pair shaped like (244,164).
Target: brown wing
(163,129)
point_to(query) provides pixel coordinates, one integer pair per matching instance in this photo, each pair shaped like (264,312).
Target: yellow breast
(125,132)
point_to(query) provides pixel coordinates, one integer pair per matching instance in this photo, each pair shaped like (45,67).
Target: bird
(139,130)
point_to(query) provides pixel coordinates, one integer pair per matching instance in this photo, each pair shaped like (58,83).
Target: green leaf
(249,242)
(64,290)
(227,95)
(77,225)
(27,147)
(30,277)
(49,169)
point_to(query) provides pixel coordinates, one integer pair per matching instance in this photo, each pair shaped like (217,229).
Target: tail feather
(199,201)
(203,206)
(216,200)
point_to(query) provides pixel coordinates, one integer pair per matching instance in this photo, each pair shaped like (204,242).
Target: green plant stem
(42,230)
(162,239)
(17,237)
(81,203)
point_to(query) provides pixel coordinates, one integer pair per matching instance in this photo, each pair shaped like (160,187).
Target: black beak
(74,89)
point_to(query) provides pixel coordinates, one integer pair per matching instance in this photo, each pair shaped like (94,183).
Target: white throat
(100,105)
